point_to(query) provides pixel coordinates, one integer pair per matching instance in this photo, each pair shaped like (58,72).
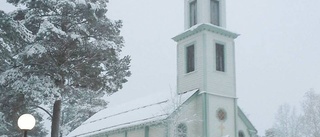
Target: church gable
(245,126)
(189,116)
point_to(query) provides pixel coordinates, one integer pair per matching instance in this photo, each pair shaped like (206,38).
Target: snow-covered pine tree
(65,50)
(12,104)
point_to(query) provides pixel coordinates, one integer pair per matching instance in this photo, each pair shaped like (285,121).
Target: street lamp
(26,122)
(55,119)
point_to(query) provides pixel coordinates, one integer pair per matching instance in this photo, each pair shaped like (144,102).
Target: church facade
(206,102)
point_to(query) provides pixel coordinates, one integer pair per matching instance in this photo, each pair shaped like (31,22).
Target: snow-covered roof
(205,26)
(149,109)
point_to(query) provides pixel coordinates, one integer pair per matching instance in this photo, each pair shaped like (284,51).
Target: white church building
(205,103)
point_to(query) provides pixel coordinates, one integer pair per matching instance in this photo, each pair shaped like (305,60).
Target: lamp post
(55,119)
(26,122)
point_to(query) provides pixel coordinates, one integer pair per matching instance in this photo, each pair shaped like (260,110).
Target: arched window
(241,133)
(182,130)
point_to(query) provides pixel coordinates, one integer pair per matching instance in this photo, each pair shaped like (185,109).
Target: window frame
(193,11)
(215,17)
(220,58)
(190,62)
(184,128)
(241,133)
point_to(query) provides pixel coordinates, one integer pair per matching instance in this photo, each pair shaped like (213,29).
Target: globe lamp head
(26,122)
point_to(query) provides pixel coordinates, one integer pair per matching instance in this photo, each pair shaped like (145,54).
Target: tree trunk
(56,119)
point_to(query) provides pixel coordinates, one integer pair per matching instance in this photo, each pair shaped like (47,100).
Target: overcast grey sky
(277,54)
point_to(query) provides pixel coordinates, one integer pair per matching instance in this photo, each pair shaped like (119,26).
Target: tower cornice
(205,27)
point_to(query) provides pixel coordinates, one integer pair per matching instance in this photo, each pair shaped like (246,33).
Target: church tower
(205,49)
(206,62)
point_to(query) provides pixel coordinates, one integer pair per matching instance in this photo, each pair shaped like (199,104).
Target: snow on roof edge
(125,112)
(131,123)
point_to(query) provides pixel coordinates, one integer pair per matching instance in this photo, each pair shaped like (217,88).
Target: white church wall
(190,115)
(222,83)
(206,77)
(157,131)
(117,135)
(191,80)
(136,133)
(217,128)
(243,127)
